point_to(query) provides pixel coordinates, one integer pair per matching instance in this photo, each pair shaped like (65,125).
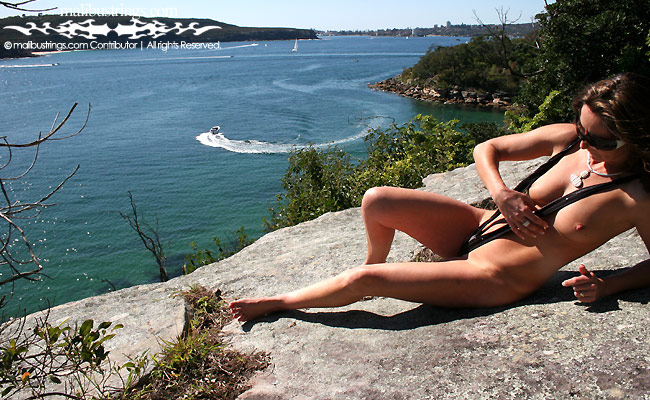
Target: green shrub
(201,257)
(402,156)
(74,357)
(320,181)
(316,182)
(583,41)
(551,110)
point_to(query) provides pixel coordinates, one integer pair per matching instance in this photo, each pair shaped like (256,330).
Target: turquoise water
(148,108)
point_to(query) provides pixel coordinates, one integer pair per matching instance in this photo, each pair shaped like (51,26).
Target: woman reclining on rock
(609,142)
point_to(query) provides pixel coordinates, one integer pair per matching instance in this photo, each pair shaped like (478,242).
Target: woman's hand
(587,287)
(517,208)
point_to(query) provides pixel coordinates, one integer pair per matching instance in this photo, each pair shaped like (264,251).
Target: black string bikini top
(479,237)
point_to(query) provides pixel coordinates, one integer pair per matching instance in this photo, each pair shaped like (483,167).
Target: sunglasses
(595,141)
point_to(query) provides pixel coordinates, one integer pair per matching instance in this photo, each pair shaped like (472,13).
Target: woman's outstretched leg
(452,284)
(439,222)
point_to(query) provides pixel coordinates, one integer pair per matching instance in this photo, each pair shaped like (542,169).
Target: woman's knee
(361,281)
(376,198)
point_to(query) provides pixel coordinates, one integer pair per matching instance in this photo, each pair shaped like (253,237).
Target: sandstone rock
(544,347)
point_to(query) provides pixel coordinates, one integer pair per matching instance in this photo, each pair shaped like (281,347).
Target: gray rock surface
(544,347)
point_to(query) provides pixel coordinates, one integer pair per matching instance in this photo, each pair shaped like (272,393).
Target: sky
(320,15)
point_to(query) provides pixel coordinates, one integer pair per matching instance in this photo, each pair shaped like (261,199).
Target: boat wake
(240,46)
(260,147)
(29,66)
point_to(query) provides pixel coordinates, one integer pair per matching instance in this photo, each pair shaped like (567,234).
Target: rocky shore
(497,100)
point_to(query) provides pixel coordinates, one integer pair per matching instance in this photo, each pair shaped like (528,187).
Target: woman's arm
(587,287)
(517,208)
(634,278)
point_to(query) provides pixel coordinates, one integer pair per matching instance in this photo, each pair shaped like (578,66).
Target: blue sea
(150,111)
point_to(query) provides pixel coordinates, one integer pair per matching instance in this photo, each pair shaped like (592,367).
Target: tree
(583,41)
(20,261)
(502,45)
(34,356)
(149,236)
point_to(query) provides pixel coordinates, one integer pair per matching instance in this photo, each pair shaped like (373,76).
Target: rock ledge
(545,347)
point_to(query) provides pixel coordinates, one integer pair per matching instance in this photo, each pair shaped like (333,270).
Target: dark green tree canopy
(583,41)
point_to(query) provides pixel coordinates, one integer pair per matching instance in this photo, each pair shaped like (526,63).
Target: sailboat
(295,46)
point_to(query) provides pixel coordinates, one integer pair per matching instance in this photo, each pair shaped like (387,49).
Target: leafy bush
(402,156)
(32,360)
(203,257)
(316,182)
(549,111)
(320,181)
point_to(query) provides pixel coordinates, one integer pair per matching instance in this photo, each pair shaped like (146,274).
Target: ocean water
(147,134)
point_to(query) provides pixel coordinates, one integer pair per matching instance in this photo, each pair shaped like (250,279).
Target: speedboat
(215,129)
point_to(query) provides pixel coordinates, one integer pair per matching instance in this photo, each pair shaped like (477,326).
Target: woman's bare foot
(249,309)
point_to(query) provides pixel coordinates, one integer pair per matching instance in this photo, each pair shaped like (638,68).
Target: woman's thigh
(439,222)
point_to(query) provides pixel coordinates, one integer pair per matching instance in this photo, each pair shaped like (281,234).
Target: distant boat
(295,46)
(215,129)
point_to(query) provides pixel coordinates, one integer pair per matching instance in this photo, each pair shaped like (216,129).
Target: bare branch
(149,236)
(19,6)
(17,255)
(500,39)
(51,133)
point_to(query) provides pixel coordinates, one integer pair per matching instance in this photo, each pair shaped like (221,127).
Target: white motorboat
(215,129)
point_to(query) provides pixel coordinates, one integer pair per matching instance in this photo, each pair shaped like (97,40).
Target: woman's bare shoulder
(637,205)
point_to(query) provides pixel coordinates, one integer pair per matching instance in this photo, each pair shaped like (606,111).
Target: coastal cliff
(544,347)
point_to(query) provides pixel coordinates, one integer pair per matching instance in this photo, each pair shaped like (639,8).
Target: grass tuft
(199,365)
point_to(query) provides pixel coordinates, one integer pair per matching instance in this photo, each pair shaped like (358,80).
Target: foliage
(519,122)
(74,356)
(197,365)
(584,41)
(402,156)
(320,181)
(475,65)
(579,41)
(316,182)
(203,257)
(72,361)
(647,43)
